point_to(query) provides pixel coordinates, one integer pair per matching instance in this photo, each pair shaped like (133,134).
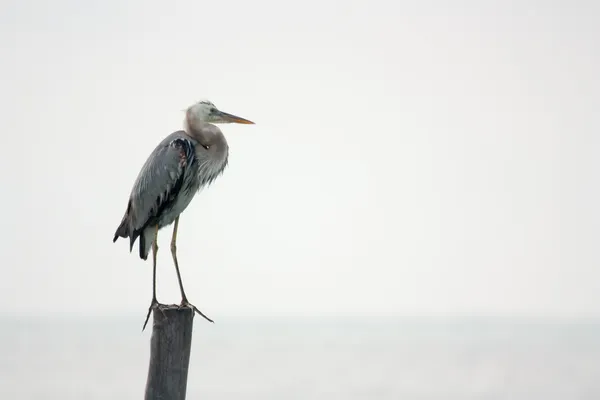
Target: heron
(182,164)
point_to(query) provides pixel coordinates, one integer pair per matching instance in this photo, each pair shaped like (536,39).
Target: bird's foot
(186,303)
(154,304)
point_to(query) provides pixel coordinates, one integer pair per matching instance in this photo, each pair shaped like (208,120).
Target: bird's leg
(154,252)
(154,303)
(184,300)
(174,254)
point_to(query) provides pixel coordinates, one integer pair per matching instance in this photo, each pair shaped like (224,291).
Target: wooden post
(170,348)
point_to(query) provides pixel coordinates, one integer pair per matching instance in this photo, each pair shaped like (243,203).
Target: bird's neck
(186,126)
(191,125)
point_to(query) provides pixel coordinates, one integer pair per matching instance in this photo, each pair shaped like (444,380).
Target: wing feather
(159,181)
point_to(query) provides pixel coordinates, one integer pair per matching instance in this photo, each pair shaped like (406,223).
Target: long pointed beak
(234,118)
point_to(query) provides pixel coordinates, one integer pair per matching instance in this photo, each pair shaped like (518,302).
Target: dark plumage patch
(186,151)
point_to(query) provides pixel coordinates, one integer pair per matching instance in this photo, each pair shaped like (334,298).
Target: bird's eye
(212,110)
(206,146)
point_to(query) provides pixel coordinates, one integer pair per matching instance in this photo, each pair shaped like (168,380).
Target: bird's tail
(122,230)
(146,239)
(146,235)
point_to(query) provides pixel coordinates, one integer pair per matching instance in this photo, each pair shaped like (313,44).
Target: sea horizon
(310,357)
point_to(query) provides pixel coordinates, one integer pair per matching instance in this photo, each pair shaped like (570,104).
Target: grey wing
(155,189)
(159,182)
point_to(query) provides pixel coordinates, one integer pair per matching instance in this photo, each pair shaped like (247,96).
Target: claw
(153,305)
(185,303)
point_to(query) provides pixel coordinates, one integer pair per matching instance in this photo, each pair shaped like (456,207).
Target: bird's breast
(209,163)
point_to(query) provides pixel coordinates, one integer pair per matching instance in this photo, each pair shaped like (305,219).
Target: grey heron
(181,164)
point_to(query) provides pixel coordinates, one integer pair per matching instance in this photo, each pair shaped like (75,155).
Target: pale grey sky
(430,158)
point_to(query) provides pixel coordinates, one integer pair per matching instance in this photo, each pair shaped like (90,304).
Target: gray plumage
(181,165)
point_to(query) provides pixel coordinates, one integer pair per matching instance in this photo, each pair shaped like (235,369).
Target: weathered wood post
(170,348)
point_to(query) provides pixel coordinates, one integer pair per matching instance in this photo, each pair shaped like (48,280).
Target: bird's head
(206,111)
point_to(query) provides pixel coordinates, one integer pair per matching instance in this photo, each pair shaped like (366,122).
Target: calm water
(262,358)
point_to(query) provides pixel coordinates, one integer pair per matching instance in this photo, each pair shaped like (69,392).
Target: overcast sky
(406,159)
